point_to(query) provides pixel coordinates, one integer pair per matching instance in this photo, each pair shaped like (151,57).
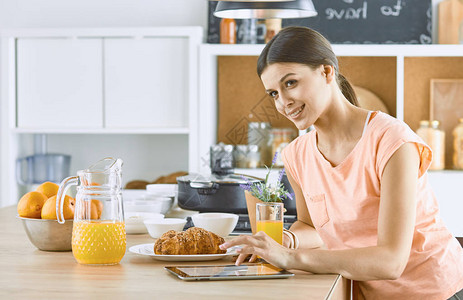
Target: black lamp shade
(265,10)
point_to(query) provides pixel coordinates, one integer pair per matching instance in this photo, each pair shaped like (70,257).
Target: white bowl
(157,227)
(162,190)
(132,195)
(166,202)
(143,206)
(221,224)
(134,221)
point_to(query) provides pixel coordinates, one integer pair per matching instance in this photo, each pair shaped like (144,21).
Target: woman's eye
(290,83)
(273,94)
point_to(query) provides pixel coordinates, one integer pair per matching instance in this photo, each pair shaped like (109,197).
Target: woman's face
(301,93)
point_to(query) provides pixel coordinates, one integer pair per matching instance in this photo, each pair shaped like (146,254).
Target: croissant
(194,240)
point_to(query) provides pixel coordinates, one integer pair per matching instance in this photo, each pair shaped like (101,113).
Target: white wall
(102,13)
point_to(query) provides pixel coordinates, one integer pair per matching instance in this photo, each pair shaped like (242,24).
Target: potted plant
(264,192)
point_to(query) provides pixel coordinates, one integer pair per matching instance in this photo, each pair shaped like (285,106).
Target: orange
(49,208)
(30,205)
(96,207)
(99,207)
(48,188)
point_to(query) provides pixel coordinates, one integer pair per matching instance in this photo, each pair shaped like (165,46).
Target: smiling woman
(360,181)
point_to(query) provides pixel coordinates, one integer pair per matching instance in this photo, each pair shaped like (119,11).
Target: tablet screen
(251,271)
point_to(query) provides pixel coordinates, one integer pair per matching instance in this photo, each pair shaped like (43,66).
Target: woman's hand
(262,245)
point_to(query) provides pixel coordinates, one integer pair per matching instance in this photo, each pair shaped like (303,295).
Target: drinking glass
(269,219)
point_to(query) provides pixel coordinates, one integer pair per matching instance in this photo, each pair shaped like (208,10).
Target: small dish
(221,224)
(134,221)
(148,250)
(157,227)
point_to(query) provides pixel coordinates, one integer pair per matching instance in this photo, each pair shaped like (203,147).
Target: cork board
(417,79)
(242,98)
(446,106)
(377,74)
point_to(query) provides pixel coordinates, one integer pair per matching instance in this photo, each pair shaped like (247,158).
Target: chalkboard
(360,21)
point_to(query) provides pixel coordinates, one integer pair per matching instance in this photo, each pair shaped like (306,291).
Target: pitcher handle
(63,187)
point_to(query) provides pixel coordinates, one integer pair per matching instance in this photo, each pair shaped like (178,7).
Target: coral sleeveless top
(343,202)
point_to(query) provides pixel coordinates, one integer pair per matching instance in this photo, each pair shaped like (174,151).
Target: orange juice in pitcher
(98,233)
(98,242)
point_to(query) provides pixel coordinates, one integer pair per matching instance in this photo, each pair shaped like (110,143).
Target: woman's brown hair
(304,46)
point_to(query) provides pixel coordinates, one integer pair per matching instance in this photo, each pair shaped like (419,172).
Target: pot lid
(230,178)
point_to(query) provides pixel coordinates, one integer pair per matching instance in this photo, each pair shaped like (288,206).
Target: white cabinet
(94,89)
(59,83)
(145,82)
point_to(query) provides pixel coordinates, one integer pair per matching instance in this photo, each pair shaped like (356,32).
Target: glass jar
(458,145)
(434,137)
(240,155)
(228,31)
(273,27)
(253,157)
(281,137)
(259,133)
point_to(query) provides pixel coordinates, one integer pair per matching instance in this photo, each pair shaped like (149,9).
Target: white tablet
(228,272)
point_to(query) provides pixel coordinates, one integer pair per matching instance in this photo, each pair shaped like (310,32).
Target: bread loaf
(194,240)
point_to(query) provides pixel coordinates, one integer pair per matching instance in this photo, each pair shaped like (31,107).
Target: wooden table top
(26,272)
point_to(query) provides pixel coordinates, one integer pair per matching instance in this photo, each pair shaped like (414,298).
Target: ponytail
(347,89)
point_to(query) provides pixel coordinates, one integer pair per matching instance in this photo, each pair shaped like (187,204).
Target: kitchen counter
(26,273)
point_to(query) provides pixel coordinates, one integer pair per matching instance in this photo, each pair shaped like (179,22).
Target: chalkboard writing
(361,21)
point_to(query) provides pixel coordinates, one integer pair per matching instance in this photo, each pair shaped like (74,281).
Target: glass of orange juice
(269,219)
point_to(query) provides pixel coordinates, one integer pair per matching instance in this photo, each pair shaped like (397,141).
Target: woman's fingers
(253,258)
(242,240)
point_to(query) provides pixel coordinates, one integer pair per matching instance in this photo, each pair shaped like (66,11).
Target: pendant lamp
(265,10)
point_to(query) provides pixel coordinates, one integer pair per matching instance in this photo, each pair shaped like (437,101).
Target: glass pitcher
(98,233)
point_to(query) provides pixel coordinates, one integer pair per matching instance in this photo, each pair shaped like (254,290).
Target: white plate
(148,249)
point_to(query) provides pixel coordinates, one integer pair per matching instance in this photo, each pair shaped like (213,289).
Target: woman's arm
(387,259)
(303,228)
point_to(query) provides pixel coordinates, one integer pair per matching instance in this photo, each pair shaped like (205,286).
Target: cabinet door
(146,82)
(59,83)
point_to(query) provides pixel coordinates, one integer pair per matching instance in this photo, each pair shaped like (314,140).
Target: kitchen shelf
(394,72)
(104,131)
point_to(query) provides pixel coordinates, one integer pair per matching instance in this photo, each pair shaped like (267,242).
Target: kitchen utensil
(103,240)
(212,193)
(221,224)
(38,168)
(48,235)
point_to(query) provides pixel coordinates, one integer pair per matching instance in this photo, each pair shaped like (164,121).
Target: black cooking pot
(217,194)
(212,194)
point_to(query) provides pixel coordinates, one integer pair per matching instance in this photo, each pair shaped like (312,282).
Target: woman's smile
(295,113)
